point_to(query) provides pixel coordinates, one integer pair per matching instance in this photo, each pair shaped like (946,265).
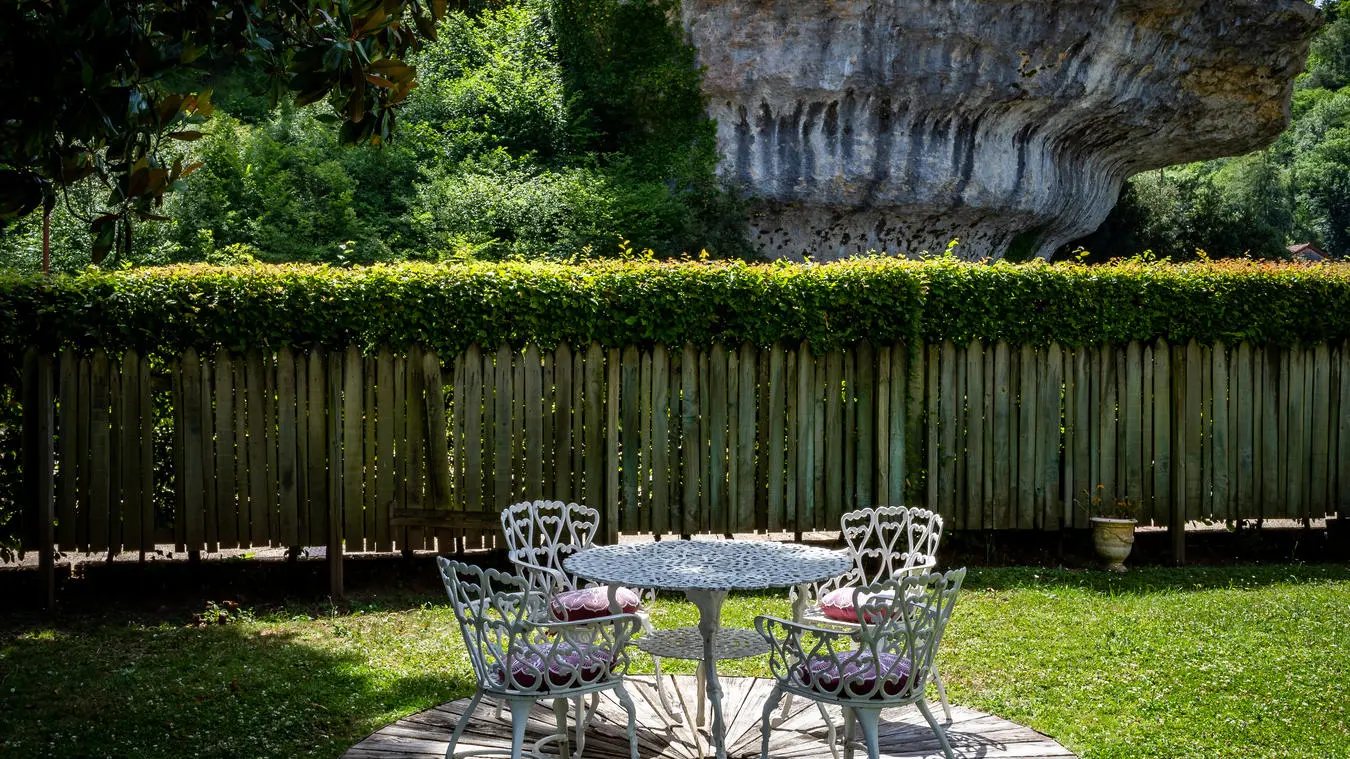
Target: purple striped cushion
(574,667)
(859,674)
(590,603)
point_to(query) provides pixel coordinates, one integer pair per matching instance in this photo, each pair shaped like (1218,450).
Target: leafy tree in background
(95,88)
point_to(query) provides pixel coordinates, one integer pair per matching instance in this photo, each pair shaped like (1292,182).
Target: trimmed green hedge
(165,310)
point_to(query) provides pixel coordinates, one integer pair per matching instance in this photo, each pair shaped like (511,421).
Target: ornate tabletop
(708,564)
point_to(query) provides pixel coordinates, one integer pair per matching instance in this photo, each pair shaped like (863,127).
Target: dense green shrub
(166,310)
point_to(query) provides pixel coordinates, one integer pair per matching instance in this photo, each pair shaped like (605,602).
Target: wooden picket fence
(301,448)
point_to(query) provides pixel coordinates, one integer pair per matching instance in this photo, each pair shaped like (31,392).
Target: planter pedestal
(1113,539)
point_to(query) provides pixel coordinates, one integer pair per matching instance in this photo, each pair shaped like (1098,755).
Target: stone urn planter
(1113,539)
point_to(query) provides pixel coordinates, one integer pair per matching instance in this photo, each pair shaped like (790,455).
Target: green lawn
(1237,662)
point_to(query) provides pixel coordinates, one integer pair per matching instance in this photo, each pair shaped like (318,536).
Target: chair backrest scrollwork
(542,534)
(511,653)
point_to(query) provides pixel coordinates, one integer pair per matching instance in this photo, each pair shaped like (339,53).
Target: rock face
(896,125)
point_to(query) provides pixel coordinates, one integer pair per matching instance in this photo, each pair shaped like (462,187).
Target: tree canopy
(95,88)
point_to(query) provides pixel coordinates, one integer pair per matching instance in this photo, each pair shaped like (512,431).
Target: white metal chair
(539,536)
(884,663)
(885,542)
(520,660)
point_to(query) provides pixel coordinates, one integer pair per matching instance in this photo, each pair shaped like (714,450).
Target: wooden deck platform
(904,734)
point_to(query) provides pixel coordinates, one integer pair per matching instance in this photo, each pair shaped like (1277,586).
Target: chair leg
(942,695)
(627,703)
(830,734)
(671,711)
(867,720)
(520,716)
(850,732)
(941,733)
(560,716)
(463,723)
(764,726)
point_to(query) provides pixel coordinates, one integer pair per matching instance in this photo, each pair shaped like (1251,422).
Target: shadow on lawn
(98,688)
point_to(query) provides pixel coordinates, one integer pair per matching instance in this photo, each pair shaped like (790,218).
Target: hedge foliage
(164,310)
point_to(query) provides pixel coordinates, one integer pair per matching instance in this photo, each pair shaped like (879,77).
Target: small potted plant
(1113,521)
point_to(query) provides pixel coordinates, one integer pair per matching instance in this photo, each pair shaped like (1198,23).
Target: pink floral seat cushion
(855,674)
(591,603)
(572,667)
(838,604)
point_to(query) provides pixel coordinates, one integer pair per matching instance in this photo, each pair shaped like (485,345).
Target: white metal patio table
(706,571)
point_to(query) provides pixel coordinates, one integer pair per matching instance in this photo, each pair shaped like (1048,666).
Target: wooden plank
(867,396)
(1294,435)
(1219,433)
(316,469)
(1343,434)
(1132,412)
(1110,424)
(716,485)
(850,444)
(192,485)
(134,533)
(946,424)
(287,449)
(533,370)
(368,451)
(803,406)
(256,466)
(987,482)
(518,403)
(974,488)
(562,422)
(689,516)
(83,474)
(611,514)
(883,423)
(662,521)
(67,421)
(896,423)
(336,489)
(958,423)
(353,518)
(1319,452)
(503,400)
(643,438)
(743,448)
(1026,439)
(400,535)
(594,427)
(1160,379)
(42,398)
(302,457)
(775,424)
(270,448)
(438,434)
(115,400)
(761,442)
(385,472)
(834,432)
(932,391)
(1193,415)
(1002,496)
(1146,508)
(1069,485)
(914,409)
(733,442)
(470,407)
(1048,425)
(547,439)
(793,456)
(1244,397)
(704,452)
(100,454)
(628,435)
(816,449)
(227,489)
